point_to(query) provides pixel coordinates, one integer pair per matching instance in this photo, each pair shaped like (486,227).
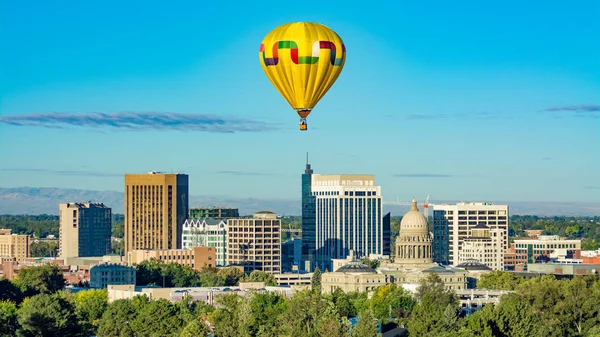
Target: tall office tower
(255,243)
(308,221)
(452,224)
(348,216)
(213,213)
(85,230)
(156,206)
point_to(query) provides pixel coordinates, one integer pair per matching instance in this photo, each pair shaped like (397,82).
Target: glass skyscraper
(341,213)
(308,220)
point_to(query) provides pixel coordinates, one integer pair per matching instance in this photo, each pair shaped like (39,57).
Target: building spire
(307,170)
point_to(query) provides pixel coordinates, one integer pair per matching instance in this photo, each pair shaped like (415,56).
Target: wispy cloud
(592,187)
(423,175)
(137,121)
(243,173)
(475,115)
(63,172)
(581,111)
(546,158)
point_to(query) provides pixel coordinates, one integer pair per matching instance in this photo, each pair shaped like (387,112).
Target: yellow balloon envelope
(302,60)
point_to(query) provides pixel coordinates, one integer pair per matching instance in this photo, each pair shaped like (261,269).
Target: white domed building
(414,254)
(414,261)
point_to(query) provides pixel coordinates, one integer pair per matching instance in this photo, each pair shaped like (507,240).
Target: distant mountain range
(39,200)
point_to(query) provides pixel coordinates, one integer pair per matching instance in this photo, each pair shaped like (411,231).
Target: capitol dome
(413,220)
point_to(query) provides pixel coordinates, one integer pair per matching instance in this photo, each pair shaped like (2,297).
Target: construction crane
(426,208)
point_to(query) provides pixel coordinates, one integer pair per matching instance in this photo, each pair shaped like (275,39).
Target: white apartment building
(207,233)
(485,246)
(453,223)
(349,216)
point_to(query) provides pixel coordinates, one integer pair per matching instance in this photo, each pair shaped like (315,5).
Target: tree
(303,312)
(195,328)
(158,318)
(8,319)
(315,281)
(366,326)
(90,305)
(260,276)
(43,248)
(48,315)
(391,301)
(499,280)
(373,264)
(9,291)
(115,321)
(46,279)
(435,314)
(514,317)
(231,275)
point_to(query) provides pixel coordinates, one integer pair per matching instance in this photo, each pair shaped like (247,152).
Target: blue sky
(459,100)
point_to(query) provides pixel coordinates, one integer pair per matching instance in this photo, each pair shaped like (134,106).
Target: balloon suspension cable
(303,125)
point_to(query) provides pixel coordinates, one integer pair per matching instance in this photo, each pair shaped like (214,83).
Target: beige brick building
(255,243)
(85,230)
(13,245)
(196,257)
(156,206)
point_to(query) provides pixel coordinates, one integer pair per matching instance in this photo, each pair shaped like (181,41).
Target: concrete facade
(106,274)
(485,246)
(255,243)
(13,245)
(453,223)
(85,230)
(195,258)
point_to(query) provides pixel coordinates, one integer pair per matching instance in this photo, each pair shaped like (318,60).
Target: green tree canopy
(8,319)
(48,315)
(46,279)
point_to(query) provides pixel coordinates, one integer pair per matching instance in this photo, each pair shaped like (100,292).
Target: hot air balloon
(302,60)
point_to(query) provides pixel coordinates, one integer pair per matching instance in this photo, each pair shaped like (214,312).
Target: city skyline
(462,102)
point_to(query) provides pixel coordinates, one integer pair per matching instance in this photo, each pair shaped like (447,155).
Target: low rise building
(541,249)
(14,245)
(195,258)
(105,274)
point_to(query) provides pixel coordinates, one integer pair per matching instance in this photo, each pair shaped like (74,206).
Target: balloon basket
(303,125)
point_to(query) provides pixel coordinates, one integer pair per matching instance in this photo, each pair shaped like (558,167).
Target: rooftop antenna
(308,170)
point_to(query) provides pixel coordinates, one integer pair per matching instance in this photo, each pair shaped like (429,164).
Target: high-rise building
(308,220)
(255,243)
(453,223)
(156,206)
(85,230)
(340,213)
(13,245)
(207,233)
(213,213)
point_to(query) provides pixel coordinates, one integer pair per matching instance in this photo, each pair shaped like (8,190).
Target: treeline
(538,307)
(585,228)
(156,272)
(40,226)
